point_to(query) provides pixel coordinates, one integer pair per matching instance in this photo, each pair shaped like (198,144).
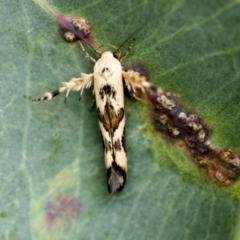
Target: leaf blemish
(170,118)
(62,209)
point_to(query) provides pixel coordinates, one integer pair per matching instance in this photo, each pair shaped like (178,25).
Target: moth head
(108,54)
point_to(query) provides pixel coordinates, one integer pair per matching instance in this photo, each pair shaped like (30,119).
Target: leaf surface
(51,159)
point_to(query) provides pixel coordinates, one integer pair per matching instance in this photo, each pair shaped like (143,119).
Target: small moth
(109,78)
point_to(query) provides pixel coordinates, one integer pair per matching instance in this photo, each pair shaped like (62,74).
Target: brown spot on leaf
(170,118)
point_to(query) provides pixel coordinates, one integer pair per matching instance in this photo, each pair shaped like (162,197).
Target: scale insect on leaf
(108,79)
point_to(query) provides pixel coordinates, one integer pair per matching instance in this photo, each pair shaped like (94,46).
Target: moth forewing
(108,88)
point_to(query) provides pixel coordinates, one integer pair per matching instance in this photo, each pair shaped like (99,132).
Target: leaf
(52,171)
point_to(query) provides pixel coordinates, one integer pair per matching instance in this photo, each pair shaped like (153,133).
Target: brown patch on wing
(110,118)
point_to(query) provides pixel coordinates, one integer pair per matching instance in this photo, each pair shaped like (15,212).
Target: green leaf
(53,184)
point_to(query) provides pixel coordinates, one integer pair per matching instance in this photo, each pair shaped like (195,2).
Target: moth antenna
(112,46)
(122,44)
(132,36)
(128,50)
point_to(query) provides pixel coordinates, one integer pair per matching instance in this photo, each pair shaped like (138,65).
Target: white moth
(107,77)
(108,89)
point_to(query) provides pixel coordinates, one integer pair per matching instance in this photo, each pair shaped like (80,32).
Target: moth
(108,80)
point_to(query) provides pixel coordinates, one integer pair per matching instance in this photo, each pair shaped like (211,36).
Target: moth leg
(92,104)
(87,54)
(75,84)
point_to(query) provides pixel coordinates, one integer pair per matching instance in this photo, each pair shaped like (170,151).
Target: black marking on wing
(117,145)
(116,178)
(107,145)
(107,90)
(123,140)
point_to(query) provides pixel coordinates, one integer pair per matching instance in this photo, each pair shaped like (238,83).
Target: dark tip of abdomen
(116,178)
